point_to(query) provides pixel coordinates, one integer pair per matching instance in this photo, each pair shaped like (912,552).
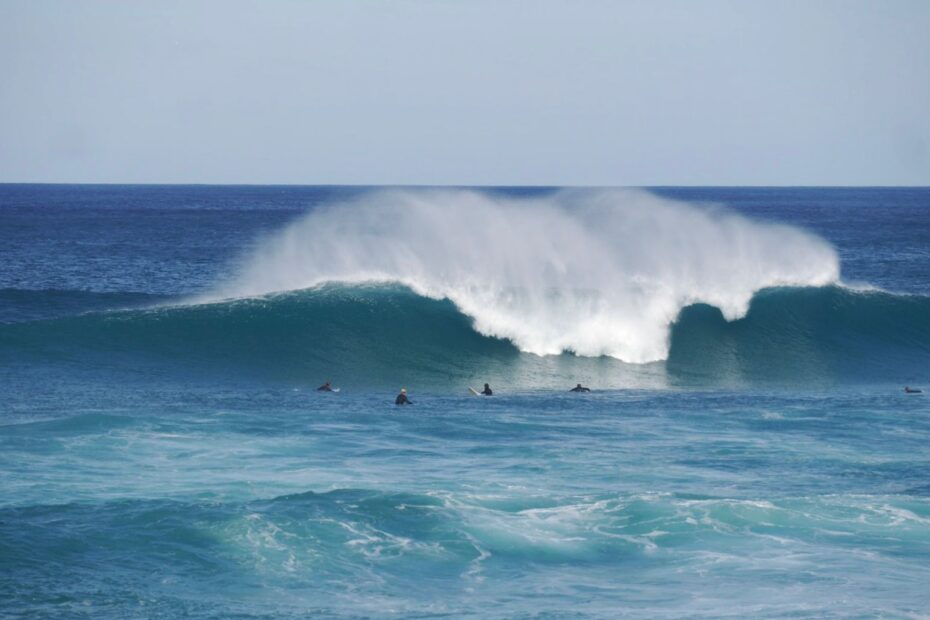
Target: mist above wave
(594,272)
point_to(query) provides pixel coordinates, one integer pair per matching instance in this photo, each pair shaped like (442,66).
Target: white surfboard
(474,391)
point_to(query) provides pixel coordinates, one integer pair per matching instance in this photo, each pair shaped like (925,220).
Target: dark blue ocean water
(163,451)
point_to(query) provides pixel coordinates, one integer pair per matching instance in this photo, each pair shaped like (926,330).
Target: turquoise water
(163,451)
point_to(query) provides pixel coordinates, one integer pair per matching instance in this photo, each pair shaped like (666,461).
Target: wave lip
(594,273)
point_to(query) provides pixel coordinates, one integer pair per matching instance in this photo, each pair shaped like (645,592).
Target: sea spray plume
(594,272)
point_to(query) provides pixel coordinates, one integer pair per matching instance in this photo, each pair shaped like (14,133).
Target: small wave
(334,553)
(360,525)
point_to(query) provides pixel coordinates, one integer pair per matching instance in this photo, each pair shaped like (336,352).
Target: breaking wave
(387,335)
(588,272)
(443,287)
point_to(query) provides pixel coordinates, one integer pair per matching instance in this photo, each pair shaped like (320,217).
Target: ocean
(747,449)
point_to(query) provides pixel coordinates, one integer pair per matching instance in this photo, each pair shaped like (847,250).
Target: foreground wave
(383,334)
(401,544)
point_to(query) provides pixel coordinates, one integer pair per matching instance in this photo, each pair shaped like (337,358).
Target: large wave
(596,273)
(387,335)
(448,287)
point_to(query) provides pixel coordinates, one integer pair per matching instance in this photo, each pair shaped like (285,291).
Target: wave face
(375,333)
(816,334)
(596,273)
(389,335)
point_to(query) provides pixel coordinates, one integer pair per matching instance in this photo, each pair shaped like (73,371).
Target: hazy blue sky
(535,92)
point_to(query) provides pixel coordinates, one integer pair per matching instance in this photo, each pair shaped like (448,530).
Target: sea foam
(594,272)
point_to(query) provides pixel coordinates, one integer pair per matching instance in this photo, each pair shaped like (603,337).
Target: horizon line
(459,185)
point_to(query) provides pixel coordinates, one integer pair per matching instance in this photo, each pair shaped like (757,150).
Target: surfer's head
(403,390)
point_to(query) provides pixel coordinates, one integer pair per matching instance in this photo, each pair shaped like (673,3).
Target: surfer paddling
(579,388)
(910,390)
(326,387)
(402,398)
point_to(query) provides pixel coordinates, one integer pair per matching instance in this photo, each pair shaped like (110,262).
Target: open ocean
(747,450)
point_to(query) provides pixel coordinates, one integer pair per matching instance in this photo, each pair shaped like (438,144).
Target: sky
(544,92)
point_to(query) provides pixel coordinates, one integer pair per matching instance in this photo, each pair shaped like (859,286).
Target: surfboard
(474,391)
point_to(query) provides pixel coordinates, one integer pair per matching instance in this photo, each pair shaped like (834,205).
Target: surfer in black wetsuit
(487,390)
(578,388)
(326,387)
(910,390)
(402,398)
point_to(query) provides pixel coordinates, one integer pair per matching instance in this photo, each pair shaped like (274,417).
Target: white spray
(592,272)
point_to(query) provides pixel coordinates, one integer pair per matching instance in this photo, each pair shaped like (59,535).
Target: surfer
(326,387)
(487,390)
(578,388)
(402,398)
(910,390)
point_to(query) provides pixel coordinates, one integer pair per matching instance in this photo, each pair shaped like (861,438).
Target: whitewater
(747,449)
(589,272)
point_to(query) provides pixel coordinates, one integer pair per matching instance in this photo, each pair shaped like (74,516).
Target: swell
(21,305)
(384,335)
